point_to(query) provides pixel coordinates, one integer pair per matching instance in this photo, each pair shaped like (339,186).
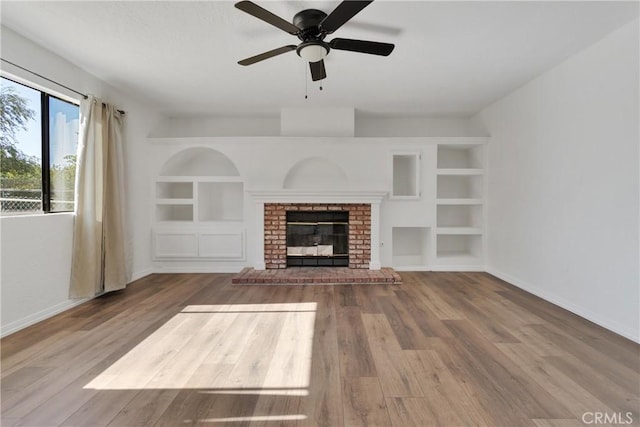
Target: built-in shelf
(174,212)
(459,248)
(199,207)
(460,171)
(459,206)
(458,230)
(457,215)
(220,201)
(406,175)
(409,247)
(174,201)
(174,190)
(210,199)
(467,201)
(459,187)
(460,156)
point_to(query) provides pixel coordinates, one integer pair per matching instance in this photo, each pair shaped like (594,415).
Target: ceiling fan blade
(362,46)
(317,70)
(268,17)
(267,55)
(341,14)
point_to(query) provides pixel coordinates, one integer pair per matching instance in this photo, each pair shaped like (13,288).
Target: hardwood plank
(395,375)
(430,298)
(572,422)
(406,331)
(607,390)
(493,399)
(323,404)
(355,355)
(531,397)
(451,402)
(616,347)
(145,408)
(621,375)
(364,403)
(566,391)
(101,408)
(410,412)
(345,296)
(426,320)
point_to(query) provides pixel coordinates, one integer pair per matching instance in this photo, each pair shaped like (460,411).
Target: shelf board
(458,258)
(182,222)
(461,201)
(220,221)
(166,201)
(460,171)
(459,230)
(199,178)
(218,179)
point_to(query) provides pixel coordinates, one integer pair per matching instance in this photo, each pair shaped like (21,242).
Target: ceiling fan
(311,26)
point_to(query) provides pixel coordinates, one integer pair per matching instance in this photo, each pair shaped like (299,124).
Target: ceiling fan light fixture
(312,51)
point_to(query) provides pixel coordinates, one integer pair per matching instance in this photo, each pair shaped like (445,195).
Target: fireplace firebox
(318,239)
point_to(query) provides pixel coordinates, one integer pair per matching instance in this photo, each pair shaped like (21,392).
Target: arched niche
(199,161)
(316,173)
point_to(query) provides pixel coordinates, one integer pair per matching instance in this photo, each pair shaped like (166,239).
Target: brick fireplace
(363,208)
(275,225)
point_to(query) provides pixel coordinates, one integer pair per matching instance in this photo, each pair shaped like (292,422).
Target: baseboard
(192,269)
(140,274)
(609,324)
(458,268)
(32,319)
(413,268)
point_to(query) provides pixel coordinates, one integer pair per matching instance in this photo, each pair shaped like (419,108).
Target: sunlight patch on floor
(257,418)
(222,349)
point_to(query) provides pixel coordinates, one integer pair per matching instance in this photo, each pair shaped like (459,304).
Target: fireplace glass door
(318,239)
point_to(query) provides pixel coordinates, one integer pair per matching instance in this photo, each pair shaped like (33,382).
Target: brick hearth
(275,230)
(317,275)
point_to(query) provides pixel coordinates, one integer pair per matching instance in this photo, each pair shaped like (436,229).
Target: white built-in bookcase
(199,207)
(460,206)
(454,238)
(433,217)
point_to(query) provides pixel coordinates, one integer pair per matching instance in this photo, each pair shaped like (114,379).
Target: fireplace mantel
(317,196)
(372,198)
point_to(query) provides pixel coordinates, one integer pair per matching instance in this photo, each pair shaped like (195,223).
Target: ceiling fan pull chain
(306,78)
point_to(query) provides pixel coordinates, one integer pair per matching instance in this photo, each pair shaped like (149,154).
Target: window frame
(45,147)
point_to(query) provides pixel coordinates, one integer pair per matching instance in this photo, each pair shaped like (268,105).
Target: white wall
(375,126)
(36,252)
(564,185)
(365,126)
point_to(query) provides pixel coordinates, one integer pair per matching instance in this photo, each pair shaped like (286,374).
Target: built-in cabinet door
(175,245)
(221,245)
(206,244)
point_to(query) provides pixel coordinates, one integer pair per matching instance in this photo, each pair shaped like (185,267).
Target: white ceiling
(451,58)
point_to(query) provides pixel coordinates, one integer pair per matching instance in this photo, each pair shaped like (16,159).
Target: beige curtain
(99,262)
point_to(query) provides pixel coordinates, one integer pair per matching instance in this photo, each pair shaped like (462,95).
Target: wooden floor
(442,349)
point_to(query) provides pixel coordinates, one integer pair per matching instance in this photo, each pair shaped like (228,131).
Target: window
(38,149)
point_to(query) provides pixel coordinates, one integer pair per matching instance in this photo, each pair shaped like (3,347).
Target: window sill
(36,215)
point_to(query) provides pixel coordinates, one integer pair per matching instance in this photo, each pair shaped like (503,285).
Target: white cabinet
(194,243)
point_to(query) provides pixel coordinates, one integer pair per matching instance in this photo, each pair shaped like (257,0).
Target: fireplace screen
(318,239)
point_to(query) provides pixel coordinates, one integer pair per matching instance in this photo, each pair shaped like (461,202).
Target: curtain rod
(85,96)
